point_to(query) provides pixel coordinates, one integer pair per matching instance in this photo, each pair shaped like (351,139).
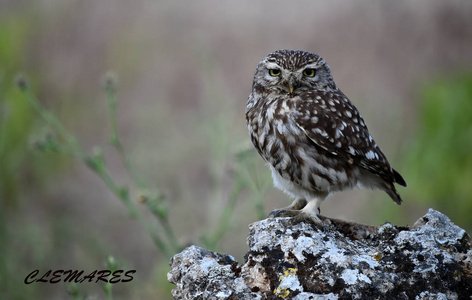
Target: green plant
(57,139)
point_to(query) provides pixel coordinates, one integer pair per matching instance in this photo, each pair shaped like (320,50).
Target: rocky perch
(287,260)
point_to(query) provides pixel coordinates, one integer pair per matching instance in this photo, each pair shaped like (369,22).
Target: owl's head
(293,72)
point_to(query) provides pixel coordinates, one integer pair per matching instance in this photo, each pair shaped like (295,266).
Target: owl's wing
(334,124)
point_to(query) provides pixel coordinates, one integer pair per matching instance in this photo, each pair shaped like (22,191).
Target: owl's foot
(315,219)
(296,206)
(283,213)
(300,216)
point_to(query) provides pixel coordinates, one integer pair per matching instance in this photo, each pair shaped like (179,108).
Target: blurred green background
(185,71)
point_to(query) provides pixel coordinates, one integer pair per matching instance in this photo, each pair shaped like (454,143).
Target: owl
(311,136)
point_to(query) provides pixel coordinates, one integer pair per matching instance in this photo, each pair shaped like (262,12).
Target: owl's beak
(292,83)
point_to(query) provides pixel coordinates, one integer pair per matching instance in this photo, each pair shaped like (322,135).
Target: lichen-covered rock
(202,274)
(430,260)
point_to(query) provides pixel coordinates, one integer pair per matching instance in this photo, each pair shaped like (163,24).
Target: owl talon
(299,216)
(283,213)
(313,219)
(290,211)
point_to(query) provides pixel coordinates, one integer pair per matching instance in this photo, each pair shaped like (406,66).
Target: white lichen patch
(300,245)
(338,254)
(311,296)
(223,294)
(333,254)
(385,228)
(208,264)
(353,276)
(428,295)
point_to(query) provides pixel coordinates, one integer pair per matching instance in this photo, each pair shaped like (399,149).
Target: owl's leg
(290,210)
(309,212)
(297,204)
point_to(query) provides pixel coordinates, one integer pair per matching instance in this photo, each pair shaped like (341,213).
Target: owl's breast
(276,137)
(270,127)
(290,152)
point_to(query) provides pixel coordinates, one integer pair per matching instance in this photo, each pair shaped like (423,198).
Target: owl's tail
(392,191)
(398,178)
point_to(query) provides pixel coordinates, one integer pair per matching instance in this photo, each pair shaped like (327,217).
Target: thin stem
(3,129)
(123,195)
(116,142)
(256,184)
(108,292)
(95,164)
(258,191)
(71,141)
(225,218)
(170,234)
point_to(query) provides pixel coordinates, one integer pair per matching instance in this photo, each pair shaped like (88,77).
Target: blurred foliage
(16,121)
(16,117)
(438,166)
(58,140)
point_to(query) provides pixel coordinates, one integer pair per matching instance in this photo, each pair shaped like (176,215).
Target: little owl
(312,137)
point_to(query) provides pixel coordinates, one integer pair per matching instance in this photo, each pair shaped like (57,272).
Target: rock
(344,260)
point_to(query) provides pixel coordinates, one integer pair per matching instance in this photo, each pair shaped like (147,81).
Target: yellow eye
(309,72)
(274,72)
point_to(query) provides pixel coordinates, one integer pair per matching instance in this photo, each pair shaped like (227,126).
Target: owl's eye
(274,72)
(309,72)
